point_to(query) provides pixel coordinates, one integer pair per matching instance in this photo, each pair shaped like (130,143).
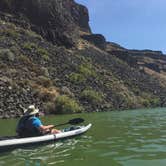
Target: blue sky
(134,24)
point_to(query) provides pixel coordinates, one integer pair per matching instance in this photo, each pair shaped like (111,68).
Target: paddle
(72,122)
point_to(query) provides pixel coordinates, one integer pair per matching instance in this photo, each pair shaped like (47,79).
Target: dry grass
(45,94)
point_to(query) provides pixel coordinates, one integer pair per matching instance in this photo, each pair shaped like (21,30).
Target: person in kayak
(30,125)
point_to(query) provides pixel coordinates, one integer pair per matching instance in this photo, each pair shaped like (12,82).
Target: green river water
(128,138)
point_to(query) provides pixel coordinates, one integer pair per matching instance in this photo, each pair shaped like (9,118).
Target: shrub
(65,90)
(92,96)
(6,54)
(45,71)
(49,107)
(36,49)
(65,104)
(32,34)
(151,102)
(43,53)
(15,50)
(76,78)
(155,102)
(43,93)
(44,81)
(84,71)
(25,59)
(10,31)
(30,46)
(87,70)
(146,102)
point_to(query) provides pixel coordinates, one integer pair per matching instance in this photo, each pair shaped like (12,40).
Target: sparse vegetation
(59,77)
(34,48)
(44,81)
(32,34)
(43,93)
(6,54)
(43,53)
(84,71)
(151,102)
(92,96)
(11,33)
(24,59)
(30,46)
(87,70)
(65,104)
(77,78)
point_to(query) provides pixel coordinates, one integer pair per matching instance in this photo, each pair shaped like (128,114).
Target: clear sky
(134,24)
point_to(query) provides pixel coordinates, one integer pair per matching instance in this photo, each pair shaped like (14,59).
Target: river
(128,138)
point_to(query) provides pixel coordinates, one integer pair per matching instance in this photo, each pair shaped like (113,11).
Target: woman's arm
(48,129)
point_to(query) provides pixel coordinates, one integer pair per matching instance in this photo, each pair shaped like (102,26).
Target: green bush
(65,104)
(77,78)
(43,53)
(24,59)
(6,54)
(146,102)
(83,72)
(44,81)
(92,96)
(155,102)
(32,34)
(87,70)
(36,49)
(30,46)
(151,102)
(11,33)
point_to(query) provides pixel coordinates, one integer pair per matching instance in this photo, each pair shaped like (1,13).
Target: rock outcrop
(57,21)
(154,60)
(97,39)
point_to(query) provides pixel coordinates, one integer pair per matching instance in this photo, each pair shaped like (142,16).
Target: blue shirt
(36,122)
(28,126)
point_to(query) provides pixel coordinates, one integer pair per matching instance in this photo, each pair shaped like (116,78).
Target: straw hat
(31,111)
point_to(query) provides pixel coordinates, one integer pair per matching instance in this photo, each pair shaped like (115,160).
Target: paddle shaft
(61,124)
(72,122)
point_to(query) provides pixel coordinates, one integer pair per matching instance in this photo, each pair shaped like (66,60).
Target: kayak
(13,143)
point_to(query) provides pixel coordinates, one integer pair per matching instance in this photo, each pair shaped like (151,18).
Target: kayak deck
(14,142)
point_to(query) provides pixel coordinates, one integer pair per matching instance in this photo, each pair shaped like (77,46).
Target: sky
(134,24)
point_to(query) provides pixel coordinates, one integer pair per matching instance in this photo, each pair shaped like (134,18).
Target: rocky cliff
(49,57)
(57,21)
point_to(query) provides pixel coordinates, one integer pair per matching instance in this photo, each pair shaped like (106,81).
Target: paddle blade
(76,121)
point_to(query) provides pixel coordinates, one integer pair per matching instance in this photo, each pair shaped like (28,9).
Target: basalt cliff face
(49,57)
(56,20)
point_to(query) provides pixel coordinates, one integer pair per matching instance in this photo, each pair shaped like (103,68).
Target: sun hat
(31,111)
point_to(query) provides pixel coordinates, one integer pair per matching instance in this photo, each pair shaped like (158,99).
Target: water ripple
(132,138)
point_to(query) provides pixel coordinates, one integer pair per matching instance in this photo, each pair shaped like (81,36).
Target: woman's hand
(55,131)
(49,129)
